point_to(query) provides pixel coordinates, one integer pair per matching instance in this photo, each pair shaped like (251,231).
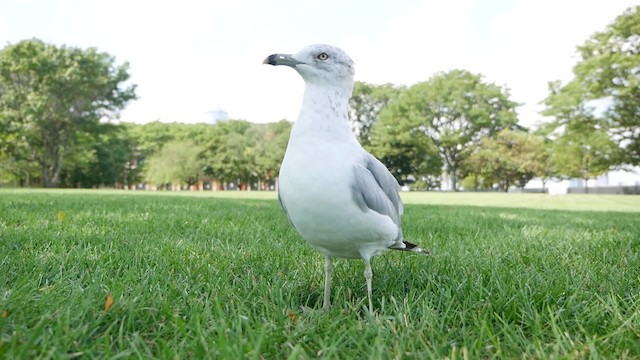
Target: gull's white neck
(324,113)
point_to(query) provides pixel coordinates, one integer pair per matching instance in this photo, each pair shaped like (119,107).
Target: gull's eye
(323,56)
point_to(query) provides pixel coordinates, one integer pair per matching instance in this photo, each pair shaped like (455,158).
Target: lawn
(97,274)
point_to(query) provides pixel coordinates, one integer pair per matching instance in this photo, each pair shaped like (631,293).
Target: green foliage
(18,166)
(454,110)
(477,182)
(366,103)
(584,152)
(610,69)
(231,152)
(583,147)
(150,137)
(176,163)
(608,75)
(195,277)
(51,97)
(510,158)
(270,148)
(167,153)
(409,156)
(241,152)
(103,159)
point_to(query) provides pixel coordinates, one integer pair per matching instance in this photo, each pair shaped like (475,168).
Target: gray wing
(285,209)
(374,188)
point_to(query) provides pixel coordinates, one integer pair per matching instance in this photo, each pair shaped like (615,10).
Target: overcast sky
(192,57)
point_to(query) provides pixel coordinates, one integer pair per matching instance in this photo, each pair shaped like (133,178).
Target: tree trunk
(217,185)
(507,185)
(51,163)
(453,172)
(48,177)
(586,185)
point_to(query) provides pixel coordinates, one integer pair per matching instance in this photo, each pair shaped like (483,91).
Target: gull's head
(319,64)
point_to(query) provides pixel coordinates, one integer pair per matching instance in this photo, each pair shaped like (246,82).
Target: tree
(584,151)
(102,159)
(19,167)
(149,138)
(231,152)
(52,95)
(77,168)
(272,144)
(176,163)
(365,104)
(583,147)
(146,140)
(610,69)
(511,158)
(549,170)
(409,156)
(608,76)
(454,110)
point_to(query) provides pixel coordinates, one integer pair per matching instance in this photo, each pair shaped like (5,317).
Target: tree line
(56,104)
(170,156)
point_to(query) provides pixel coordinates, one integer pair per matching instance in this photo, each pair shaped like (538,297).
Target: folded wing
(375,189)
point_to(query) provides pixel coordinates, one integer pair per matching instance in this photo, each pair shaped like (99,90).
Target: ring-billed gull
(342,200)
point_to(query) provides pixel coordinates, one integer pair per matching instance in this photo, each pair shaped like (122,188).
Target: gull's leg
(328,267)
(368,274)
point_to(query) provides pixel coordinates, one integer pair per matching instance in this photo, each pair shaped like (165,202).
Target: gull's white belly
(315,186)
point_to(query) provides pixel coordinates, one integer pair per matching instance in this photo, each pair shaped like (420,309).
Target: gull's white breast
(315,186)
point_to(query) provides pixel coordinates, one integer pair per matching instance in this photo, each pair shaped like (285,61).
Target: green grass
(197,276)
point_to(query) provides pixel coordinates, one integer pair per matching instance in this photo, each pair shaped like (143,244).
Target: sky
(190,57)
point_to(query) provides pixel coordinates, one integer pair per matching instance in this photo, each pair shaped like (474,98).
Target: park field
(107,274)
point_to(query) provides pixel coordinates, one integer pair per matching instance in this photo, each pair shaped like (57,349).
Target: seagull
(342,200)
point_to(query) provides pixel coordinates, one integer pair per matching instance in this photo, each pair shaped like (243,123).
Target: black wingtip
(413,248)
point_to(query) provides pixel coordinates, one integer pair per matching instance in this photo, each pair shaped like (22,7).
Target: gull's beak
(281,59)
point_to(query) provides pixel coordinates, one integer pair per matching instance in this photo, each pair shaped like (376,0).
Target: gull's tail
(412,247)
